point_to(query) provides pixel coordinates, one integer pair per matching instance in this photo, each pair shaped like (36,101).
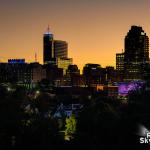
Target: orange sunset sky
(94,29)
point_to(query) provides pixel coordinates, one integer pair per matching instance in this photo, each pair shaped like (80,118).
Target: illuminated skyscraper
(55,52)
(136,53)
(48,47)
(53,49)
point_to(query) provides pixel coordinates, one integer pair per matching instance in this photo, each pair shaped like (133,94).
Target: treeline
(103,123)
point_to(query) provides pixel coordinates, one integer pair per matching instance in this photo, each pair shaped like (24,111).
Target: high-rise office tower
(55,52)
(48,47)
(136,53)
(60,49)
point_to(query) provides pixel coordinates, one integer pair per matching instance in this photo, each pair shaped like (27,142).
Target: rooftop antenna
(35,57)
(48,29)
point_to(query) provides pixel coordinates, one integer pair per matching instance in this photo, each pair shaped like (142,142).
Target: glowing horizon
(94,30)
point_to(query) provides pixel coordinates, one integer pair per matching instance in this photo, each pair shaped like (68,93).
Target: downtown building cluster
(58,69)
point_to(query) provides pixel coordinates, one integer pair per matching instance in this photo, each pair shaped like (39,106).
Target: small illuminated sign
(16,61)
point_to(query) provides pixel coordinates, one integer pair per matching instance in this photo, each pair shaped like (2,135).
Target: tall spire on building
(48,31)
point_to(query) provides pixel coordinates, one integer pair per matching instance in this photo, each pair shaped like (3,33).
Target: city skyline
(103,24)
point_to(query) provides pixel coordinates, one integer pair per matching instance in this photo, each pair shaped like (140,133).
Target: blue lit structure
(16,61)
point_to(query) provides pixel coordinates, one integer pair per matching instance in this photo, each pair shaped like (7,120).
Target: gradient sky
(94,29)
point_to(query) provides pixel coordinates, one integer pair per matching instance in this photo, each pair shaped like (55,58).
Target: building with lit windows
(136,53)
(55,52)
(64,63)
(24,74)
(119,66)
(120,61)
(53,49)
